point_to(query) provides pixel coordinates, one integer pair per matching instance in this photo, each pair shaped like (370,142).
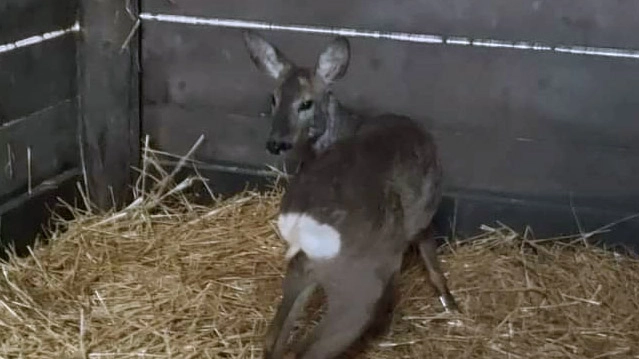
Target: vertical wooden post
(109,98)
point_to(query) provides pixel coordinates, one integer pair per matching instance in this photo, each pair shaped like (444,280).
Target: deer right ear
(265,56)
(333,61)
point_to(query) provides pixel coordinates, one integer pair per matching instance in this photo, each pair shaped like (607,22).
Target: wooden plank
(27,217)
(36,77)
(585,22)
(108,86)
(477,160)
(222,180)
(51,135)
(227,137)
(545,219)
(20,19)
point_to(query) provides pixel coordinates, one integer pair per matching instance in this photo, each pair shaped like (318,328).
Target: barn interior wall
(39,154)
(534,103)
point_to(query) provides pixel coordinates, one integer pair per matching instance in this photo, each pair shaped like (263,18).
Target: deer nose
(275,147)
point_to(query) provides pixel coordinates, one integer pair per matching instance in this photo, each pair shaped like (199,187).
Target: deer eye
(305,105)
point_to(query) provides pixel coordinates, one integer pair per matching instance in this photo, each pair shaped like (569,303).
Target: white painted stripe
(458,41)
(398,36)
(38,38)
(595,51)
(520,45)
(260,25)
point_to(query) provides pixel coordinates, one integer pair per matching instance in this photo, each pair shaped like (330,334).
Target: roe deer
(367,188)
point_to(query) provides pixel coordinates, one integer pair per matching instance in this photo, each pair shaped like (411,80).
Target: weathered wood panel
(227,137)
(530,95)
(507,121)
(585,22)
(52,136)
(25,18)
(38,112)
(546,219)
(108,87)
(527,138)
(25,217)
(35,77)
(473,159)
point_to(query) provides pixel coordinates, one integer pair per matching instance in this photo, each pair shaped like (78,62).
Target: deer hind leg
(351,310)
(296,288)
(385,308)
(428,251)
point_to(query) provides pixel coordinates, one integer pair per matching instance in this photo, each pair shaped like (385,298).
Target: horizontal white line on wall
(398,36)
(38,38)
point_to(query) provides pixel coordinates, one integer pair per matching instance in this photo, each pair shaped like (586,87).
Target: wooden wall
(38,111)
(527,137)
(536,138)
(68,109)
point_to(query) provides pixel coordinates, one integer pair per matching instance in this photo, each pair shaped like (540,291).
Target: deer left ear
(333,61)
(266,57)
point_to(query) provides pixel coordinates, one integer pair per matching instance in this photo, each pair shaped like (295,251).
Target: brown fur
(377,181)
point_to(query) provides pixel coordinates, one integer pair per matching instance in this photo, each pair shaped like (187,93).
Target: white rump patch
(302,232)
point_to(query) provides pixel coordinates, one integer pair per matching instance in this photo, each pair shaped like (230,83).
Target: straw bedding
(165,278)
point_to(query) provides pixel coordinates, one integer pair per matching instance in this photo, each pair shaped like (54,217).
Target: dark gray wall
(588,22)
(37,94)
(523,134)
(38,110)
(528,138)
(24,18)
(78,89)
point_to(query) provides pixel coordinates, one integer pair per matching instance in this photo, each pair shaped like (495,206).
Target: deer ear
(333,62)
(266,57)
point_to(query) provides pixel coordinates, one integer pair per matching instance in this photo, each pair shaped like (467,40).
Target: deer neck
(340,123)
